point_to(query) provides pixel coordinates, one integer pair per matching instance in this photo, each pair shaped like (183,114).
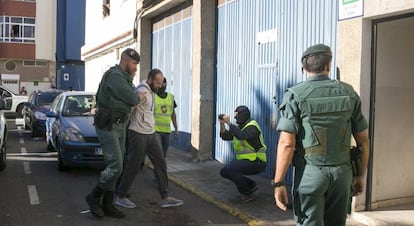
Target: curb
(222,205)
(367,220)
(251,221)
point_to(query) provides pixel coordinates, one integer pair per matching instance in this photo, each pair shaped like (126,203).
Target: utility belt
(120,118)
(105,118)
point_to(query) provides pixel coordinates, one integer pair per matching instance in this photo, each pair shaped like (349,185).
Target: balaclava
(243,115)
(161,91)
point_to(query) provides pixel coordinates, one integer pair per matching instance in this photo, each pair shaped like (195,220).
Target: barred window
(17,29)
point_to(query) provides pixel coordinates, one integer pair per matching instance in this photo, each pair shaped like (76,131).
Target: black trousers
(139,145)
(236,169)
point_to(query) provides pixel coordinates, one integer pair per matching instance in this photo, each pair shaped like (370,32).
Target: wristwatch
(277,184)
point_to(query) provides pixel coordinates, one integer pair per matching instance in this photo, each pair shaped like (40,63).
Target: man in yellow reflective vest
(250,150)
(164,114)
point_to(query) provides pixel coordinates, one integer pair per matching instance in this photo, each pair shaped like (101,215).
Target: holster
(299,162)
(298,159)
(355,154)
(104,119)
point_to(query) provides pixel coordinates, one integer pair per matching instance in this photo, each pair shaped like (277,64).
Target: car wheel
(3,156)
(50,146)
(61,164)
(26,127)
(19,111)
(35,132)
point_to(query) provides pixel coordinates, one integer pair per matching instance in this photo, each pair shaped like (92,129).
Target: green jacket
(116,91)
(323,113)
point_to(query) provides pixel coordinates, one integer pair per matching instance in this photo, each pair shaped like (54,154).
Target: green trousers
(113,147)
(322,194)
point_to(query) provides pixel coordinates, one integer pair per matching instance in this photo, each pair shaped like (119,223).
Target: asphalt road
(34,192)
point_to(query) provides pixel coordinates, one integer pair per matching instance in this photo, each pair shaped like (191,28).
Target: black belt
(120,118)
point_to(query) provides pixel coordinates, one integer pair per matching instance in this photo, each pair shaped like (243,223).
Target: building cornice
(107,45)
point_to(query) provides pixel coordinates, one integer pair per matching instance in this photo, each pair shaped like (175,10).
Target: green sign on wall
(348,9)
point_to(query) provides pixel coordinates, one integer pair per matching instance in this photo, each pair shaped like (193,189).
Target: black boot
(108,207)
(94,201)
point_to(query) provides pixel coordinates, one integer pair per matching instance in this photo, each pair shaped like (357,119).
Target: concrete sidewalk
(203,179)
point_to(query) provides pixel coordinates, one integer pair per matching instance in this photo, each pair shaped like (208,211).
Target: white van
(14,102)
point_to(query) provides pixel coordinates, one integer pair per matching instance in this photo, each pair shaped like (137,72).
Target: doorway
(392,174)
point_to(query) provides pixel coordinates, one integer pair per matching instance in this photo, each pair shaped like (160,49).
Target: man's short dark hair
(153,73)
(316,57)
(131,53)
(316,63)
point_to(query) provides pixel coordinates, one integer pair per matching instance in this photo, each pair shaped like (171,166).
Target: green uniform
(323,114)
(116,92)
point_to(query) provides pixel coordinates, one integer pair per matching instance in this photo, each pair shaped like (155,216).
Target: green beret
(132,53)
(318,49)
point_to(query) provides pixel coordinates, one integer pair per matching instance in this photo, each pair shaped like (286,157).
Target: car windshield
(46,98)
(79,105)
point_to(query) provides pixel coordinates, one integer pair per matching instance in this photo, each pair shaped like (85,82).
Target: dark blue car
(34,110)
(70,130)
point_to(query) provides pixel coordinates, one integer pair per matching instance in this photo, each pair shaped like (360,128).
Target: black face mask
(243,115)
(161,91)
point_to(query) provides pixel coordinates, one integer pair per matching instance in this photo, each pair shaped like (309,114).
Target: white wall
(103,37)
(393,172)
(99,30)
(375,8)
(95,68)
(45,32)
(354,59)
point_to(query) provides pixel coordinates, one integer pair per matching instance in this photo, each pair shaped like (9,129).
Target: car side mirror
(50,114)
(7,101)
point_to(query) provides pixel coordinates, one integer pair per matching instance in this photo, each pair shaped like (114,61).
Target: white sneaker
(125,202)
(170,201)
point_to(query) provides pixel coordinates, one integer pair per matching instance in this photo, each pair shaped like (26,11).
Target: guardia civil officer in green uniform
(317,118)
(250,150)
(114,99)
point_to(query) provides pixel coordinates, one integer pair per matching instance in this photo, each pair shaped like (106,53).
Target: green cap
(319,49)
(132,53)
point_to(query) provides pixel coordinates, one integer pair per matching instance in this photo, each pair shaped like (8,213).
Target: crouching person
(250,150)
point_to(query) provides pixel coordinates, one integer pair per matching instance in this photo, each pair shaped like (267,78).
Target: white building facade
(107,33)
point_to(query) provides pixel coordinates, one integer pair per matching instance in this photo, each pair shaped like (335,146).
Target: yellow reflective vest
(244,150)
(164,108)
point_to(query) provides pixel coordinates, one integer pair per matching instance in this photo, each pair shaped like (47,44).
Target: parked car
(70,130)
(34,110)
(3,137)
(14,102)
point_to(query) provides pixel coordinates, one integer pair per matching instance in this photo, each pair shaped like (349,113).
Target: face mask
(161,91)
(243,114)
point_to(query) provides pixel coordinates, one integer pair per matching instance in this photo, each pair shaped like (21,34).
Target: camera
(220,116)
